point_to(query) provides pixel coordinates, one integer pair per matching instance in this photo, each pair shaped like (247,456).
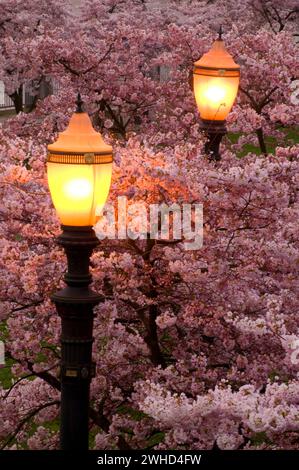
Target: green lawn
(6,113)
(5,370)
(291,138)
(5,374)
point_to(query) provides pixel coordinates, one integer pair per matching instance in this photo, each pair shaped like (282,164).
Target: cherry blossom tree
(133,61)
(278,15)
(22,24)
(178,329)
(195,349)
(272,14)
(269,68)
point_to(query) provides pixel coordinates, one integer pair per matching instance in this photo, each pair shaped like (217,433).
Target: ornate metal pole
(214,131)
(75,305)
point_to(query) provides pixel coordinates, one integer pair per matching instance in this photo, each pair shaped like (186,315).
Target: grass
(6,374)
(5,370)
(291,138)
(6,113)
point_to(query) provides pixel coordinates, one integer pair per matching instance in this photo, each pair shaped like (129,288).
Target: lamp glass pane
(79,192)
(215,96)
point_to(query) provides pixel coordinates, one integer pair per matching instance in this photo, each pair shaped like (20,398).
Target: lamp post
(216,79)
(79,167)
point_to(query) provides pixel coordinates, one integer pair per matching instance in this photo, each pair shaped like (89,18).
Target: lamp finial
(79,104)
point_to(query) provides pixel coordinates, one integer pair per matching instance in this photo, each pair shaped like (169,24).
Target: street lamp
(79,167)
(216,79)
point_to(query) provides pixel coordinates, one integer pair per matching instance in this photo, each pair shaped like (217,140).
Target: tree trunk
(261,139)
(32,106)
(151,338)
(17,98)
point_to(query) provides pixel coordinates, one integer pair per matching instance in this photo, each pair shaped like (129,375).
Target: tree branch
(27,419)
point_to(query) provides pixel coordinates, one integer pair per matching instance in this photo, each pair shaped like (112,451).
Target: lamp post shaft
(212,146)
(76,346)
(75,305)
(214,131)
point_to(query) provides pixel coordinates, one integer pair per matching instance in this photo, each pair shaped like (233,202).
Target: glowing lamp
(79,168)
(216,83)
(216,79)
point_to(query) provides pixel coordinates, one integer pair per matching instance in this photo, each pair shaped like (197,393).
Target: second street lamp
(79,169)
(216,79)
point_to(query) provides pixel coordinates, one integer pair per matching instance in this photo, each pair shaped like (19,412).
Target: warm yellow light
(79,192)
(77,189)
(215,96)
(216,80)
(79,172)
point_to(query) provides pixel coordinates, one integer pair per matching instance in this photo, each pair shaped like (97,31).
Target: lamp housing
(79,168)
(216,79)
